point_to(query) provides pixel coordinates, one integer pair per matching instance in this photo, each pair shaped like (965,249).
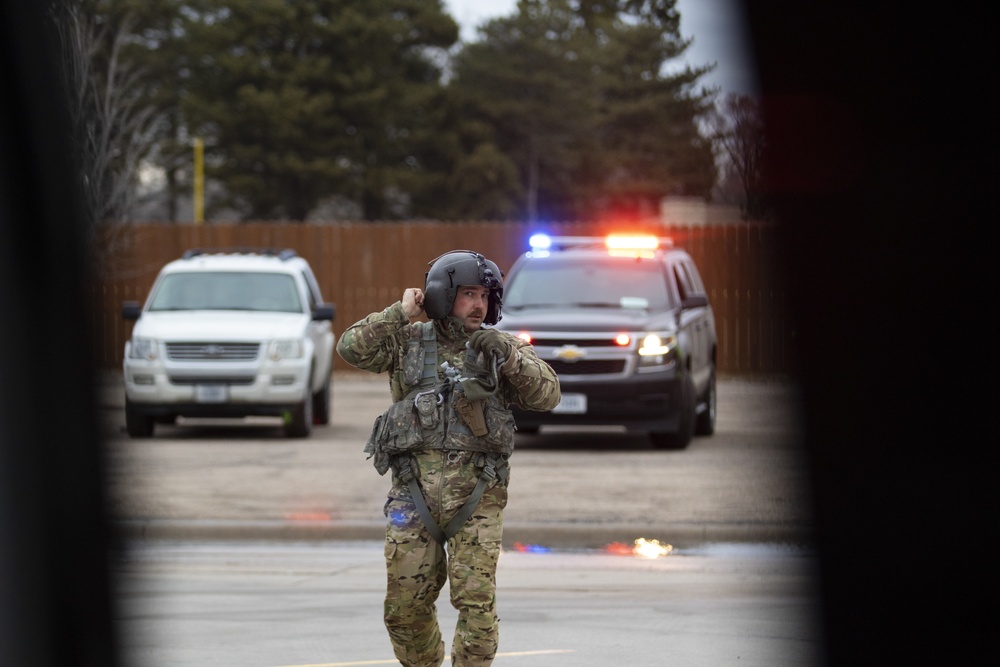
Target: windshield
(218,290)
(609,283)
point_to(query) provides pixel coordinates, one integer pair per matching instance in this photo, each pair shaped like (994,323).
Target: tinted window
(683,285)
(688,280)
(694,280)
(607,282)
(313,290)
(227,291)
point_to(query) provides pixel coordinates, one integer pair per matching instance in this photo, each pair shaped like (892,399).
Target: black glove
(490,341)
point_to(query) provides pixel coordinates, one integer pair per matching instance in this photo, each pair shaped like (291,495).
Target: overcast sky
(716,25)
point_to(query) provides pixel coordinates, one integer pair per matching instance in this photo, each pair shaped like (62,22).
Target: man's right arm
(373,343)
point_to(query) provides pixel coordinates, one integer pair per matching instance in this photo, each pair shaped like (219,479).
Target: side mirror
(325,311)
(131,310)
(699,301)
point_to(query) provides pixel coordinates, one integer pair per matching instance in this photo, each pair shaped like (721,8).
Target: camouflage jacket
(379,343)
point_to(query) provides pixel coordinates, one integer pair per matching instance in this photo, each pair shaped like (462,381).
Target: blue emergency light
(540,241)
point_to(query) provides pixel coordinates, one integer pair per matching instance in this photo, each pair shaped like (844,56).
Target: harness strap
(429,340)
(494,468)
(490,472)
(405,472)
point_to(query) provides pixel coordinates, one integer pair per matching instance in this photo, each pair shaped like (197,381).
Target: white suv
(230,334)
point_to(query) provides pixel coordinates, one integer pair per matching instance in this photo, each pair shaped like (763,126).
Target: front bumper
(639,403)
(152,389)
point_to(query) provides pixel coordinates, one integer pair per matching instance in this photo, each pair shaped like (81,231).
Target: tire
(299,422)
(675,441)
(321,404)
(680,438)
(705,422)
(138,425)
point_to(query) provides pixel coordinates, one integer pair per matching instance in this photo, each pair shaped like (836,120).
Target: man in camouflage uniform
(447,438)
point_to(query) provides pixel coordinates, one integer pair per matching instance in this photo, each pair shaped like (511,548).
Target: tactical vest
(462,413)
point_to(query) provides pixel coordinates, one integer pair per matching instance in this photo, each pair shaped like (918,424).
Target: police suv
(230,334)
(626,324)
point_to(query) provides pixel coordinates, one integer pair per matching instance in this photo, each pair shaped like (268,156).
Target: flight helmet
(461,267)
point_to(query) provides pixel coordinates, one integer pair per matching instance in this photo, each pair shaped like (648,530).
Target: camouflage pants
(418,567)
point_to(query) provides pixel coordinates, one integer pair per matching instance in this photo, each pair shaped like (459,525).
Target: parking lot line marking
(511,654)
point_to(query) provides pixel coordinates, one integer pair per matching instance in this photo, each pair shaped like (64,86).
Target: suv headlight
(657,349)
(285,349)
(143,348)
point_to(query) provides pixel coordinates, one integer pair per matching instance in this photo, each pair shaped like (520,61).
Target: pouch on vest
(500,426)
(427,404)
(396,431)
(374,449)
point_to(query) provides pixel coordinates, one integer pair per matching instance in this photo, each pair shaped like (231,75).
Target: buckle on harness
(440,396)
(428,408)
(454,456)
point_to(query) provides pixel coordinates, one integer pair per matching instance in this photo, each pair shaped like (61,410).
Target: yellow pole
(199,181)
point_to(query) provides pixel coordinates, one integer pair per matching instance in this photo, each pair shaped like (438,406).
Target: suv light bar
(283,254)
(614,242)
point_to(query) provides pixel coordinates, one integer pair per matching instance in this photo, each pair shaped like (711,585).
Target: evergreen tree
(563,110)
(302,99)
(529,78)
(579,98)
(650,139)
(160,47)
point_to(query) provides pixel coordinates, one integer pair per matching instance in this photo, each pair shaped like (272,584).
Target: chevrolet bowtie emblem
(570,353)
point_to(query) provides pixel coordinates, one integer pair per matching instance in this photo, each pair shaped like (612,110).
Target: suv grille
(592,367)
(212,351)
(190,381)
(579,342)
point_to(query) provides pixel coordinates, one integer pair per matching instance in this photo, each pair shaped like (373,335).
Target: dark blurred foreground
(55,594)
(876,184)
(871,164)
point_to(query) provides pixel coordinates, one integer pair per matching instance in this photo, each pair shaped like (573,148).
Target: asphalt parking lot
(569,487)
(319,604)
(247,548)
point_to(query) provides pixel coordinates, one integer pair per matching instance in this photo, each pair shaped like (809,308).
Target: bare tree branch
(739,133)
(113,129)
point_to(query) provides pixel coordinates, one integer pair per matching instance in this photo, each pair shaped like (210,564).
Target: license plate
(571,404)
(210,393)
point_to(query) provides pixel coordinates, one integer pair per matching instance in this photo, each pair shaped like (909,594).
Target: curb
(556,535)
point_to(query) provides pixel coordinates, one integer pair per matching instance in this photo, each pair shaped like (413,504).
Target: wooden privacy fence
(364,266)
